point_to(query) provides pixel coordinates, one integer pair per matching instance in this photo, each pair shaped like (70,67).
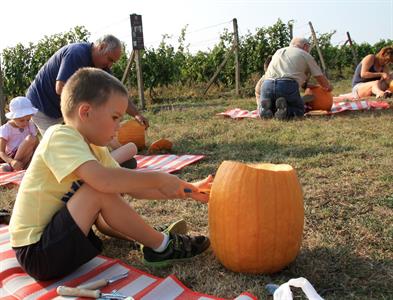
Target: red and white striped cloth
(17,285)
(164,162)
(237,113)
(358,105)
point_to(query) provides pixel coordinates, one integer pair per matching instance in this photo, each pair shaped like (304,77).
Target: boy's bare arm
(149,185)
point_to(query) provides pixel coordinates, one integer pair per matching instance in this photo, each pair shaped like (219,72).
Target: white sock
(163,245)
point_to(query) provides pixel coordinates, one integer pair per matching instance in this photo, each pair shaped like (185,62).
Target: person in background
(289,69)
(372,75)
(81,185)
(18,137)
(45,91)
(259,83)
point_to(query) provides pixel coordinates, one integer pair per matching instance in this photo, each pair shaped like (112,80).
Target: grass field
(344,163)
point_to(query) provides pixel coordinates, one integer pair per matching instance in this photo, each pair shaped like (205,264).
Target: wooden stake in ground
(234,49)
(138,46)
(319,50)
(128,68)
(3,119)
(237,64)
(354,54)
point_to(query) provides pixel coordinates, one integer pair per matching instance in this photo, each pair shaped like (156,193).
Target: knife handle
(94,284)
(70,291)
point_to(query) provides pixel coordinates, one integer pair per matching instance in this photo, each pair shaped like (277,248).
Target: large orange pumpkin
(132,131)
(323,100)
(256,216)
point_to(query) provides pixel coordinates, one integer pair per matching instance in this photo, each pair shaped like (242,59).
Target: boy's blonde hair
(90,85)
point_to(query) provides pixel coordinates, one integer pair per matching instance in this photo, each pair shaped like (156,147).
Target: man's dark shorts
(63,247)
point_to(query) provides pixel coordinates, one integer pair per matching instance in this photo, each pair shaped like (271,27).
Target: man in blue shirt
(44,92)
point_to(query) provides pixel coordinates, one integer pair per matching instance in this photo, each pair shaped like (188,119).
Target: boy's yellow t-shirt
(48,179)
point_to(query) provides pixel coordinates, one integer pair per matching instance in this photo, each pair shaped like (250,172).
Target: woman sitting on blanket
(18,137)
(372,75)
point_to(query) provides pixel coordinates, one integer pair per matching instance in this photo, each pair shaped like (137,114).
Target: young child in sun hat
(18,137)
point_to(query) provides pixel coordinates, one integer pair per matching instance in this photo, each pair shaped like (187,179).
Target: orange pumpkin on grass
(132,131)
(256,216)
(160,145)
(323,100)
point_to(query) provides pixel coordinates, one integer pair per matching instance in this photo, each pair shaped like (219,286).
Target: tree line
(167,65)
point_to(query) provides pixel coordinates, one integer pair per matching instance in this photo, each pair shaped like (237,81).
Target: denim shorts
(63,247)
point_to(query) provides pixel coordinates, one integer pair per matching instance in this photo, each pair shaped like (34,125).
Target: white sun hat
(20,107)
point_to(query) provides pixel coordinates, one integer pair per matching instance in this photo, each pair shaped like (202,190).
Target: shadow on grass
(338,273)
(258,151)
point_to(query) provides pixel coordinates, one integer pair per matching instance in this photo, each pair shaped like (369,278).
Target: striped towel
(237,113)
(17,285)
(358,105)
(165,162)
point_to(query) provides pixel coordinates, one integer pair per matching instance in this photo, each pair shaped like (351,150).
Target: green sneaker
(180,248)
(179,227)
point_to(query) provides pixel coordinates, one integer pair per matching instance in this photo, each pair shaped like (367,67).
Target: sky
(24,21)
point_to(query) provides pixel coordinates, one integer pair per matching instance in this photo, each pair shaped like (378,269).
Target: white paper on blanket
(284,291)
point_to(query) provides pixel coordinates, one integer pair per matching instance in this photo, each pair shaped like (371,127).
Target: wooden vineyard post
(138,46)
(2,99)
(237,64)
(128,67)
(318,49)
(234,49)
(354,54)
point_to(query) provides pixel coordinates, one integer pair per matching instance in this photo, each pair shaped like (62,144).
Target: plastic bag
(284,291)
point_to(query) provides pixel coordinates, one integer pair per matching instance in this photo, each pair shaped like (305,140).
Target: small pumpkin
(391,86)
(160,145)
(132,131)
(256,216)
(323,100)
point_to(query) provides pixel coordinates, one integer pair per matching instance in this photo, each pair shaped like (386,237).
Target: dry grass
(344,164)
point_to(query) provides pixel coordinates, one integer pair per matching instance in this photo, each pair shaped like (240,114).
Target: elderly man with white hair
(44,92)
(289,69)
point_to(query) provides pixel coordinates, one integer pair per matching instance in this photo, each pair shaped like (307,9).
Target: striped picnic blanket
(17,285)
(164,162)
(238,113)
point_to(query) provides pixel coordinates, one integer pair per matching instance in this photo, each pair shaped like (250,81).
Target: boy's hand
(202,191)
(204,185)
